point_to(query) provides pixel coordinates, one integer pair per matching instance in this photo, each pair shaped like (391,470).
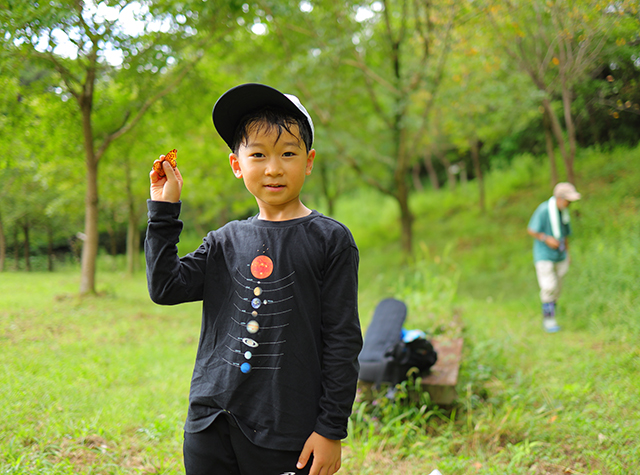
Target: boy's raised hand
(327,455)
(166,188)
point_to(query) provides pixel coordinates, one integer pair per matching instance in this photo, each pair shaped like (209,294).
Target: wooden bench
(441,381)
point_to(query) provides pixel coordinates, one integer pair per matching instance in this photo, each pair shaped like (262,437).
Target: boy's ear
(310,158)
(235,165)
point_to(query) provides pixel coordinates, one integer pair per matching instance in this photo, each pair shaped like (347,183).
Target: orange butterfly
(171,157)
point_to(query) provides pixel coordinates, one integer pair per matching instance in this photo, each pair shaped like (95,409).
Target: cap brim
(241,100)
(573,196)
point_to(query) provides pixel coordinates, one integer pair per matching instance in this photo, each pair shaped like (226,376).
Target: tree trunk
(451,177)
(464,177)
(133,241)
(406,216)
(90,244)
(16,249)
(571,132)
(565,52)
(556,128)
(550,149)
(112,231)
(433,176)
(3,246)
(415,175)
(406,223)
(133,244)
(27,250)
(326,191)
(595,131)
(475,158)
(50,255)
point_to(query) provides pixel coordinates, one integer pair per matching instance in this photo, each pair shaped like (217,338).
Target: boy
(550,228)
(276,367)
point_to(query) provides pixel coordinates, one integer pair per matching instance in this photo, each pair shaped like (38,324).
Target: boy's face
(274,169)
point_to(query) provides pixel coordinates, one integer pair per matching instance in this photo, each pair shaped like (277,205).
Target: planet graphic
(261,267)
(253,327)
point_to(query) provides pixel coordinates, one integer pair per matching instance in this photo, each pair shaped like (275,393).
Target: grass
(99,385)
(529,402)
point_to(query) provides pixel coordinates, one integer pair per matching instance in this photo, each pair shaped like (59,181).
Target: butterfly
(170,157)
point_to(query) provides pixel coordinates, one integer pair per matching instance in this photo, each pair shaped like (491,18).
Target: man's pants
(550,276)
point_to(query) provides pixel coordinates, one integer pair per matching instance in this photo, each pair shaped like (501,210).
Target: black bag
(385,356)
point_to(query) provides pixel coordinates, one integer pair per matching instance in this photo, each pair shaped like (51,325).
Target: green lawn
(100,385)
(91,386)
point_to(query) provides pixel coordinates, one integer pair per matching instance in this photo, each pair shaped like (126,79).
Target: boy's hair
(271,118)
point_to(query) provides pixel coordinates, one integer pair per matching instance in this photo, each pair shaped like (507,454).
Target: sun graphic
(261,267)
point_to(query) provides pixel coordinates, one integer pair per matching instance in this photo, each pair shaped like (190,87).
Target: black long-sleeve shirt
(280,333)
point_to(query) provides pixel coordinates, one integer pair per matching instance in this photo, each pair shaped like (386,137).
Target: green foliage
(338,57)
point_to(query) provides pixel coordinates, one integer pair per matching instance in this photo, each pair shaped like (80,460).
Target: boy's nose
(273,168)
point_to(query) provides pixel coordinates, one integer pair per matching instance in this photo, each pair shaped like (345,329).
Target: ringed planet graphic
(261,267)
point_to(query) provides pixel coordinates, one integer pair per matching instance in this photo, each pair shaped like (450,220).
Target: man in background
(550,227)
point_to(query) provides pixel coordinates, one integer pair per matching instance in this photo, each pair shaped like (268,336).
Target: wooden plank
(441,381)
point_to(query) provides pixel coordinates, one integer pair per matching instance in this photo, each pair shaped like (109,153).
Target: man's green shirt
(541,223)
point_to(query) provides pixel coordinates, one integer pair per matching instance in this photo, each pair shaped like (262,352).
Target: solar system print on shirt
(263,307)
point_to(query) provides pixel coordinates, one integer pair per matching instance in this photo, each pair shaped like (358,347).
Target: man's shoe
(550,325)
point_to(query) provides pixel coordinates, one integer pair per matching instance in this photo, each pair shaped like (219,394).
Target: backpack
(389,351)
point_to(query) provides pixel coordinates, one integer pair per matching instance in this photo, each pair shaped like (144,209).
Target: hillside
(531,402)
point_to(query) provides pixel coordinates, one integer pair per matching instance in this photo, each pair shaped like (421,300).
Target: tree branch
(64,73)
(372,74)
(145,106)
(369,179)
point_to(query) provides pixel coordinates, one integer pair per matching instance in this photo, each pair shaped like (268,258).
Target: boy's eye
(257,155)
(289,154)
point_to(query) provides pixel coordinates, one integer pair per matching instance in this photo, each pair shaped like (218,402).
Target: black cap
(241,100)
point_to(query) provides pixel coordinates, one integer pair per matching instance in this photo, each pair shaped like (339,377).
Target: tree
(40,183)
(557,43)
(401,51)
(78,41)
(398,50)
(306,44)
(483,101)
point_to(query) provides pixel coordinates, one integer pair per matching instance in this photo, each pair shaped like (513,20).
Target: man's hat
(567,191)
(241,100)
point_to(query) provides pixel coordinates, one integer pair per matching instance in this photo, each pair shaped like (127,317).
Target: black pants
(222,449)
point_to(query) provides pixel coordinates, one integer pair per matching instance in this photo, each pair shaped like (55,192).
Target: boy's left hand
(327,455)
